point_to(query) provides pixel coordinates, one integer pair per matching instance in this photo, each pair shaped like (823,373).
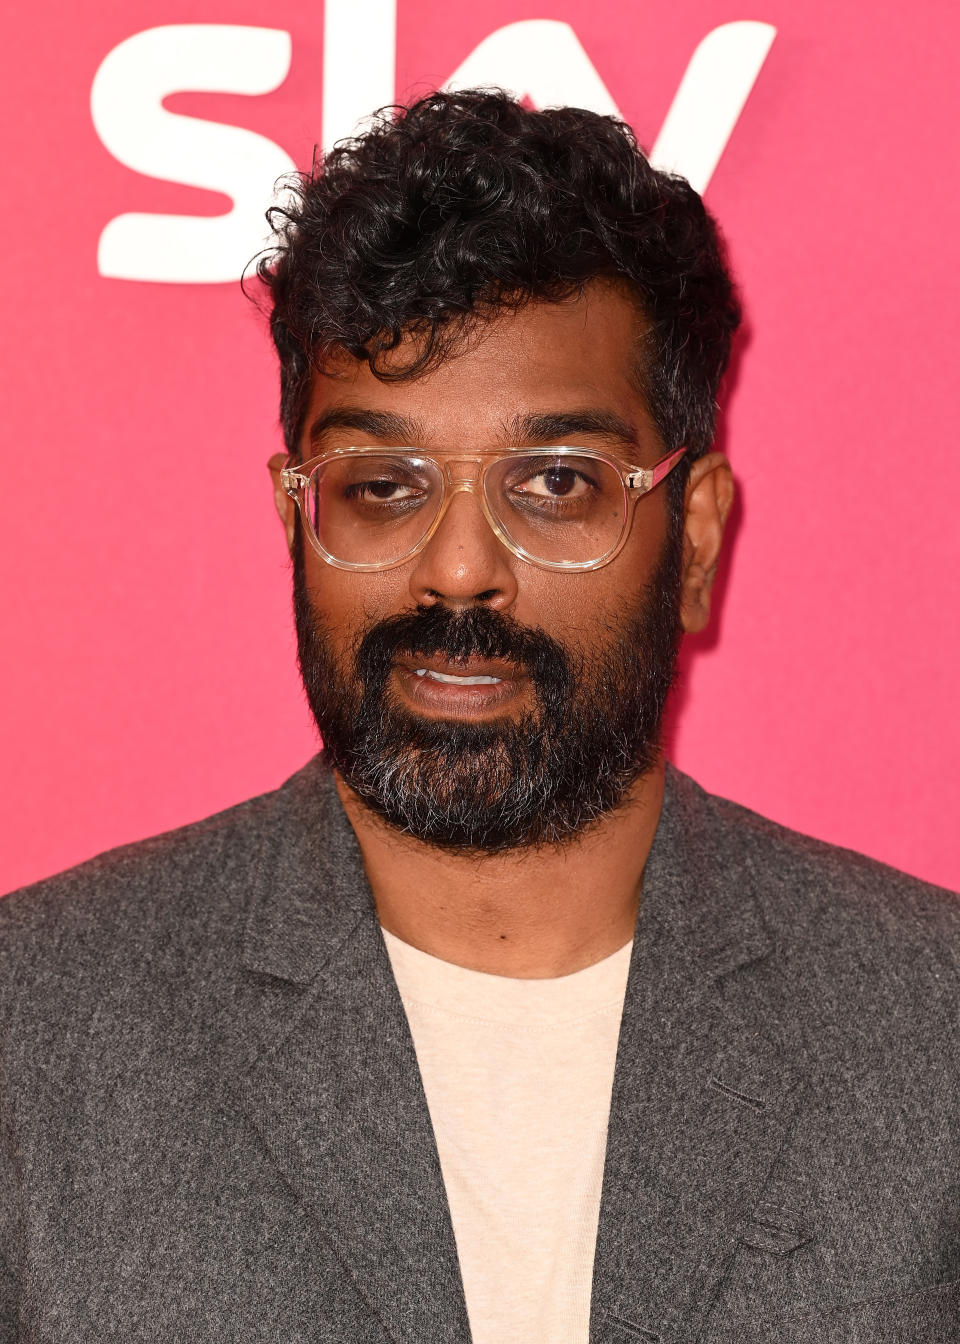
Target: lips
(462,671)
(460,687)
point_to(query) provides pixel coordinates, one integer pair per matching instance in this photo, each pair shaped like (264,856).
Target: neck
(532,913)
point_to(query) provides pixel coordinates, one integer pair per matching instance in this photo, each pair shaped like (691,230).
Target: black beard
(505,783)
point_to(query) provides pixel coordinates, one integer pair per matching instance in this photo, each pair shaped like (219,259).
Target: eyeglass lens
(555,507)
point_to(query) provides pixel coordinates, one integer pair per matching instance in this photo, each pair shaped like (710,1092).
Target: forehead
(544,358)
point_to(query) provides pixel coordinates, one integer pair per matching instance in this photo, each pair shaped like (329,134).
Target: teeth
(457,681)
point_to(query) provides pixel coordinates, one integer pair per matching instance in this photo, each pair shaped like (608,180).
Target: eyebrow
(378,424)
(555,426)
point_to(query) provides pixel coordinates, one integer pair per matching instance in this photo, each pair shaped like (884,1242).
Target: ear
(709,498)
(286,507)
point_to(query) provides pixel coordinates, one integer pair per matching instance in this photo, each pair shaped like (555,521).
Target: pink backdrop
(149,673)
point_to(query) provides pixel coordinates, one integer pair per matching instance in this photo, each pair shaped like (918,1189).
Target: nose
(464,562)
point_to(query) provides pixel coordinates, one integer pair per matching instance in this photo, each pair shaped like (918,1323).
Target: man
(488,1024)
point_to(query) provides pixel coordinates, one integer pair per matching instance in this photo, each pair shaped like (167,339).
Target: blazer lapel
(702,1098)
(331,1082)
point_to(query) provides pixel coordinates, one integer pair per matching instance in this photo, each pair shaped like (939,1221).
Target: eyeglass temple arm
(646,478)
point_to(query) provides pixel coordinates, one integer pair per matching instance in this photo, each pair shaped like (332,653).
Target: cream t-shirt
(518,1076)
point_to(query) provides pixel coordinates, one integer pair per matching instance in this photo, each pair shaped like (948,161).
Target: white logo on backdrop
(541,59)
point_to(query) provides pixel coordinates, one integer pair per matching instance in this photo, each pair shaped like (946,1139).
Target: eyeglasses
(562,508)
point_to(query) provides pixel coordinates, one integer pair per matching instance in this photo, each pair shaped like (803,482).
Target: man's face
(582,660)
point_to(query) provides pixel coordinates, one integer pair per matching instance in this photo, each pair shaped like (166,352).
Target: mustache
(476,632)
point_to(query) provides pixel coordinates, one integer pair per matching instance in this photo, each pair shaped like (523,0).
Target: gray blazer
(212,1124)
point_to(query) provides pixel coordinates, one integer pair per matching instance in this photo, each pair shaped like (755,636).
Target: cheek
(647,536)
(349,602)
(577,608)
(573,609)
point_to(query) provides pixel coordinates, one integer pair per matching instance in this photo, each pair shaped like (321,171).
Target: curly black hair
(467,203)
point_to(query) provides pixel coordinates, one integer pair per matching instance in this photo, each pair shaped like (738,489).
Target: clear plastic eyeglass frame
(467,472)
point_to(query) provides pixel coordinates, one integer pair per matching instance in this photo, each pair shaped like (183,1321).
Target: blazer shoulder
(811,889)
(123,905)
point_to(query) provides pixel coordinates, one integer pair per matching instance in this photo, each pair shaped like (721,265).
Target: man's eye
(381,491)
(554,483)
